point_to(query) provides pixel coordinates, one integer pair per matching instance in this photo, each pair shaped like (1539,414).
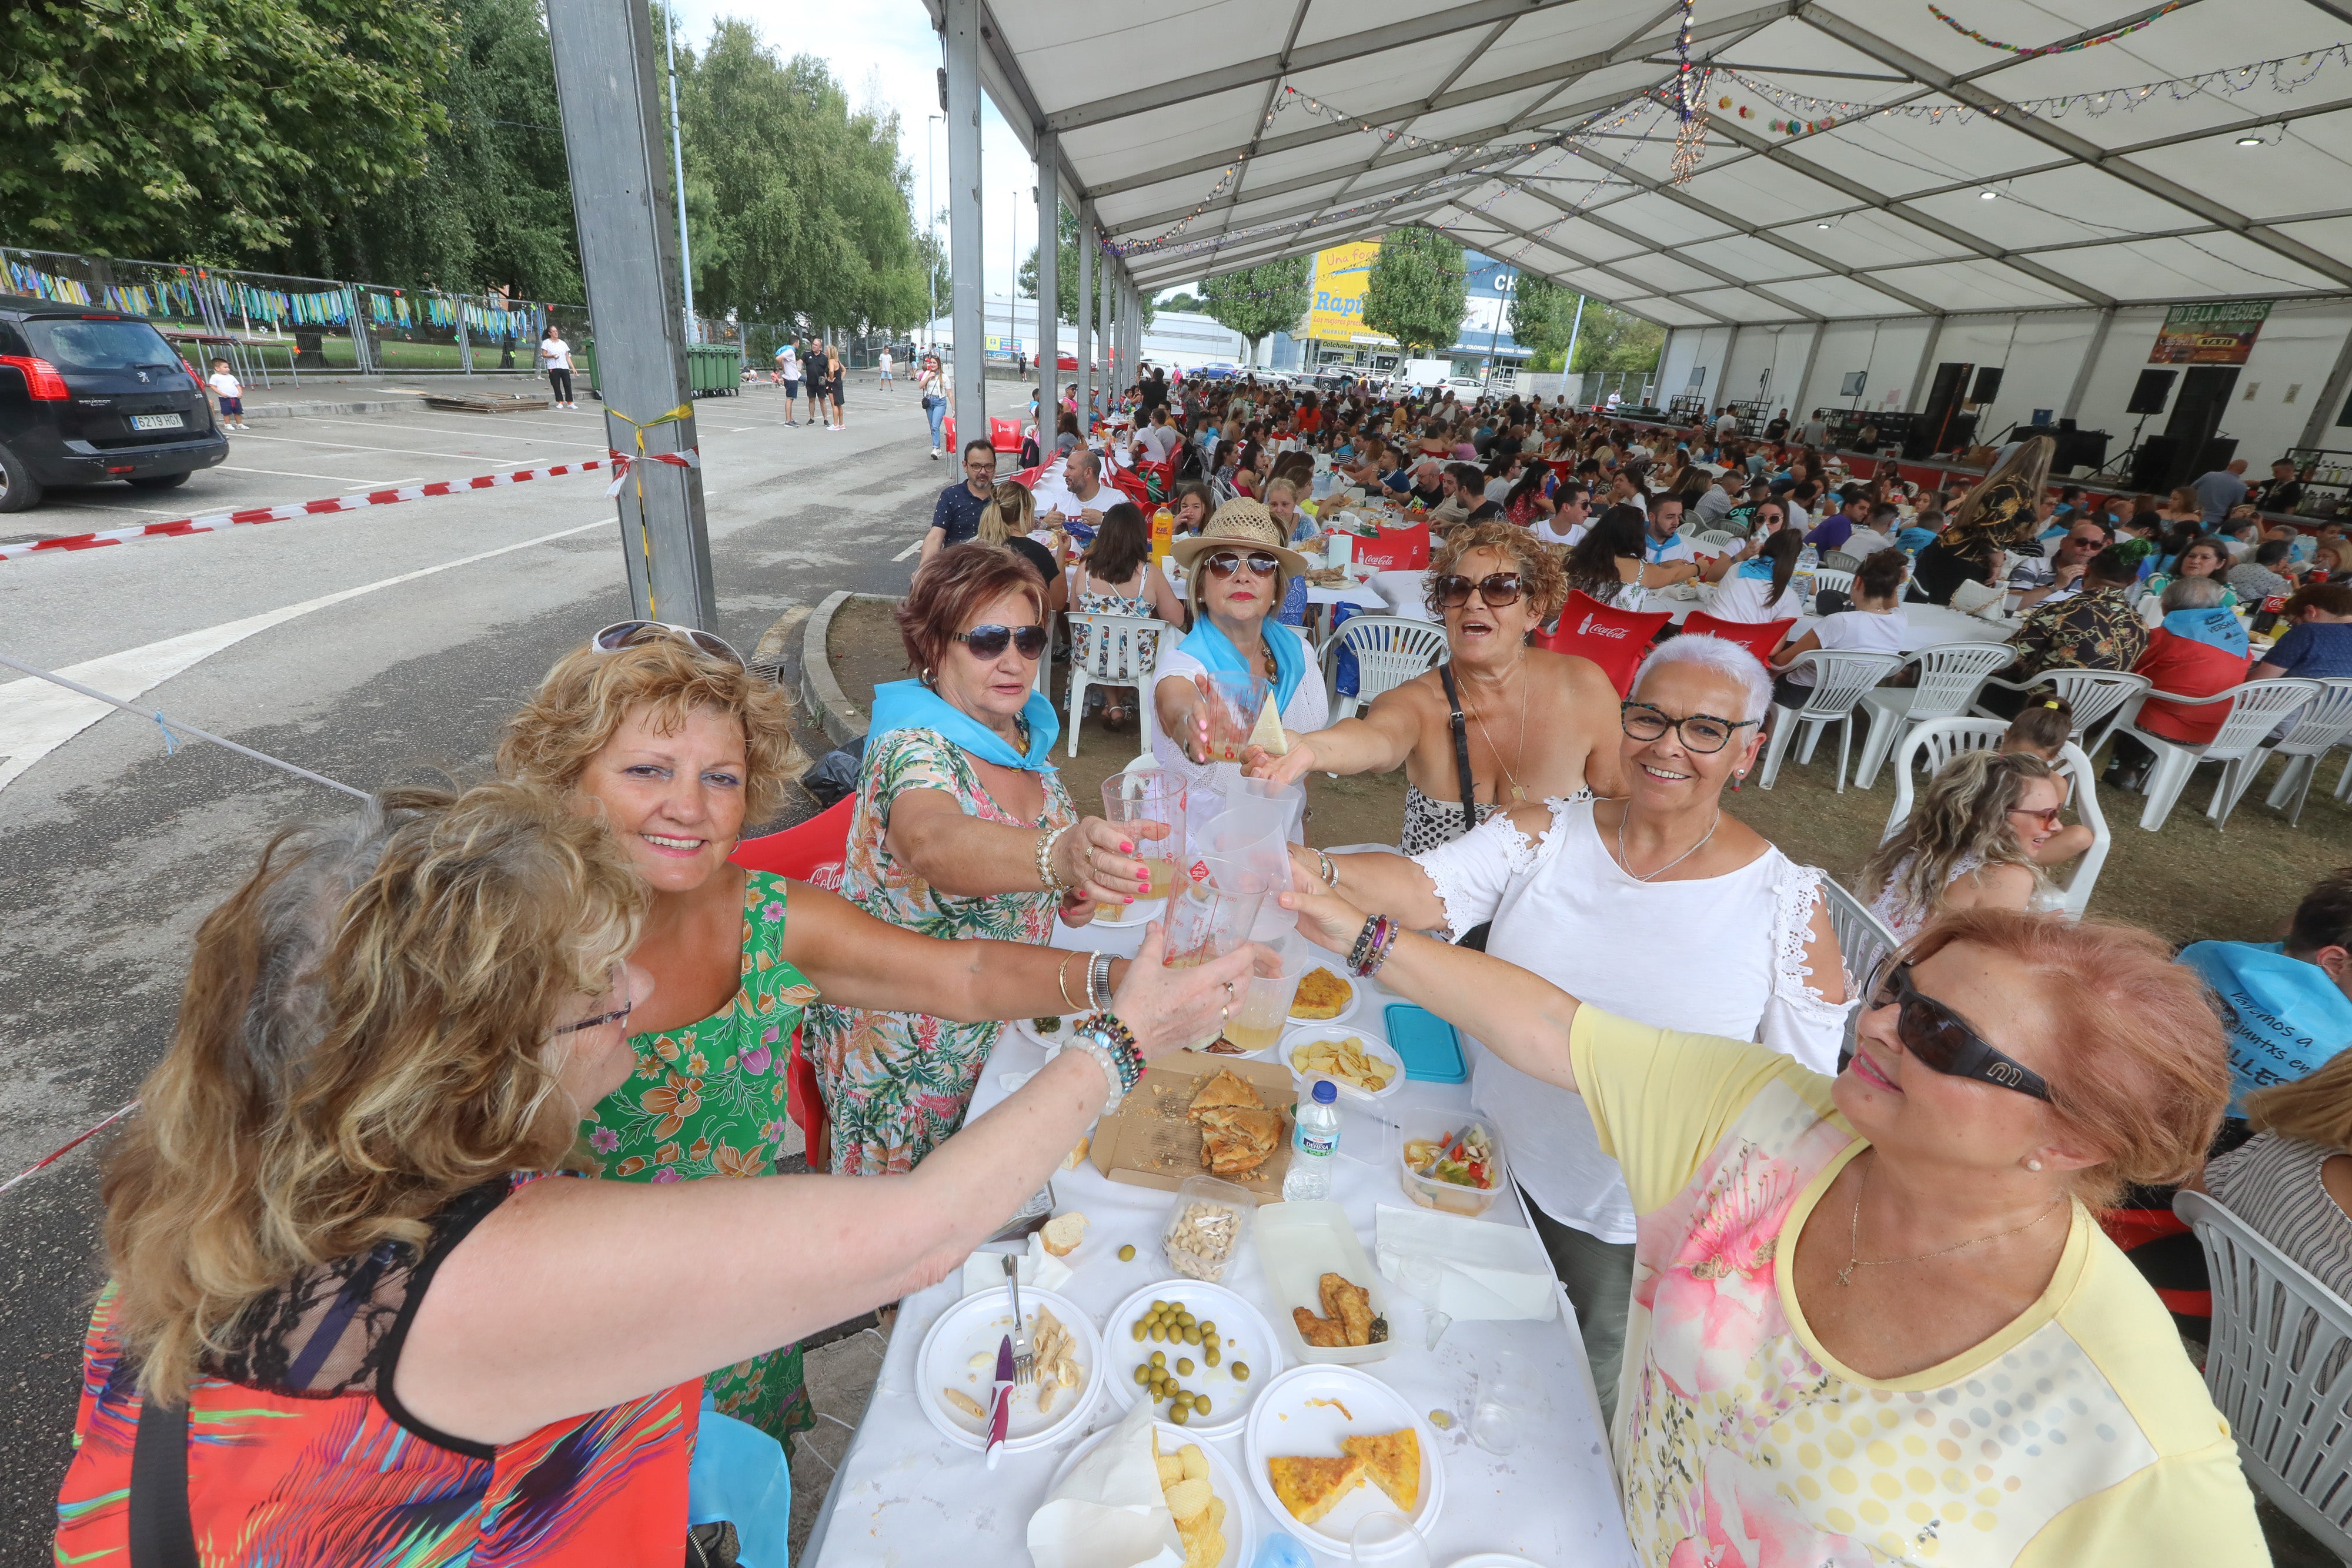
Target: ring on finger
(1229,991)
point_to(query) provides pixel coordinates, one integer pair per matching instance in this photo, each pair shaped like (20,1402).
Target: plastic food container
(1206,1227)
(1452,1197)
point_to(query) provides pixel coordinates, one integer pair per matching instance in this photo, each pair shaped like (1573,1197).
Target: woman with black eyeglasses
(1499,722)
(1875,1319)
(1655,906)
(1235,571)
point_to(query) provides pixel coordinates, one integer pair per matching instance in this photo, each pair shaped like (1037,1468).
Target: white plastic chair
(1390,651)
(1939,740)
(2318,729)
(1116,650)
(1842,560)
(2275,1366)
(2255,709)
(2093,695)
(1862,938)
(1717,540)
(1949,674)
(1828,576)
(1839,681)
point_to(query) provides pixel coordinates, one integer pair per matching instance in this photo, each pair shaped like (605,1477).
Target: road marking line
(337,478)
(910,550)
(469,431)
(36,717)
(346,446)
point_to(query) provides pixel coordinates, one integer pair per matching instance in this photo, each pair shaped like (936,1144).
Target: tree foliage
(1416,292)
(1181,301)
(1542,314)
(205,130)
(1258,300)
(1614,341)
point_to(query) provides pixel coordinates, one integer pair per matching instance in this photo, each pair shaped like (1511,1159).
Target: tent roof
(1231,132)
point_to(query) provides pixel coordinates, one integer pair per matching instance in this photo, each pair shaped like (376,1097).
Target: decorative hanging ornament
(2029,50)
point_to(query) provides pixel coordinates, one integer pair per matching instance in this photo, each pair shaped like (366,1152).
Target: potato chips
(1346,1061)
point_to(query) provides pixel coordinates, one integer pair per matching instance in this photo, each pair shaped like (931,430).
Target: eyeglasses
(1935,1034)
(1225,563)
(622,634)
(1495,591)
(1700,731)
(2047,815)
(990,641)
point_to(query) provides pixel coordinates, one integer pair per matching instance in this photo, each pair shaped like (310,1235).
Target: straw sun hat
(1243,524)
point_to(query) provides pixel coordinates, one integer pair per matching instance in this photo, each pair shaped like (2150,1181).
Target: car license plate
(157,421)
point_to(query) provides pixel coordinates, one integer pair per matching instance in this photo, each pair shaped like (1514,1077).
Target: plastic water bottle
(1314,1145)
(1808,558)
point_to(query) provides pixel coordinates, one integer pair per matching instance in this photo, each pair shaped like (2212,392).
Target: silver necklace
(1854,1260)
(1652,876)
(1518,791)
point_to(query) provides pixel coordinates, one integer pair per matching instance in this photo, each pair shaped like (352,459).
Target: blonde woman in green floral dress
(666,735)
(959,813)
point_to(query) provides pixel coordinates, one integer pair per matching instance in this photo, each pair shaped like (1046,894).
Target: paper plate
(1137,914)
(1248,1338)
(973,1327)
(1026,1028)
(1492,1560)
(1355,999)
(1298,1035)
(1299,1413)
(1240,1528)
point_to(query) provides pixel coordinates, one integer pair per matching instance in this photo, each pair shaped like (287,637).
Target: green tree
(1612,340)
(1065,273)
(203,129)
(1540,314)
(1261,299)
(1179,300)
(1416,293)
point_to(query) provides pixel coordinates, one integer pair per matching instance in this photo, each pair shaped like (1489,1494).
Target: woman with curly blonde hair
(337,1261)
(1499,721)
(663,733)
(1968,842)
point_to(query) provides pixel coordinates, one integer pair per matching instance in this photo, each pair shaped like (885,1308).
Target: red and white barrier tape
(69,1146)
(216,520)
(689,458)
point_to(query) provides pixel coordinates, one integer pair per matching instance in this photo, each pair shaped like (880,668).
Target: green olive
(1158,1306)
(1192,1336)
(1139,1328)
(1200,1405)
(1207,1327)
(1183,1399)
(1187,1319)
(1158,1331)
(1213,1355)
(1159,1359)
(1127,1253)
(1143,1374)
(1184,1366)
(1180,1415)
(1210,1337)
(1241,1371)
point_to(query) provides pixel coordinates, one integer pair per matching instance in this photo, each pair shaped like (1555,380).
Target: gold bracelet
(1062,983)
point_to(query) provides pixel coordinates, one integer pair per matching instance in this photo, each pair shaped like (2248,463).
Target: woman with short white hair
(1682,917)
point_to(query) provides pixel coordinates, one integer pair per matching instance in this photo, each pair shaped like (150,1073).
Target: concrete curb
(314,409)
(826,702)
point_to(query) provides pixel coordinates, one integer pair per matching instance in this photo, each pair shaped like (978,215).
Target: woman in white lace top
(1682,918)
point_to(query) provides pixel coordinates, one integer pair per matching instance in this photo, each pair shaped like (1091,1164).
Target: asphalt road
(111,851)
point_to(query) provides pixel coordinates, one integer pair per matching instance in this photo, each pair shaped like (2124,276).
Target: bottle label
(1316,1144)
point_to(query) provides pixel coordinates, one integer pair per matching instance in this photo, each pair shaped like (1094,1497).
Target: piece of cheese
(1268,733)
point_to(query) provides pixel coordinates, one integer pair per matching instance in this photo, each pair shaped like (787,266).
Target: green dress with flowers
(708,1100)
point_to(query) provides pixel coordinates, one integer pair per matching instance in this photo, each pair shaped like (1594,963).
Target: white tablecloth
(906,1496)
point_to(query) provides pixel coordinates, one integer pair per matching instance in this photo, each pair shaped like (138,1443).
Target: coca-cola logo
(1587,629)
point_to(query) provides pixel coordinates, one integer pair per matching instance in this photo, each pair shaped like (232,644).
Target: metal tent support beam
(1805,375)
(2331,397)
(1086,312)
(960,38)
(604,76)
(1926,364)
(1110,349)
(2082,387)
(1049,294)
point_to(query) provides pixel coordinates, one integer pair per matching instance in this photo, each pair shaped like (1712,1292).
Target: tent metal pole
(1813,352)
(960,39)
(2331,396)
(2082,387)
(1927,362)
(1049,262)
(1085,314)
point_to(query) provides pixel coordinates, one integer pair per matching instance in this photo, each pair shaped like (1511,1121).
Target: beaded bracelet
(1103,1037)
(1046,843)
(1363,946)
(1381,944)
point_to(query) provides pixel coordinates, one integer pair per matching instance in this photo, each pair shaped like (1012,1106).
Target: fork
(1024,1359)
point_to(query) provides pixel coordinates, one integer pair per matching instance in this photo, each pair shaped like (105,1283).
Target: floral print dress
(896,1084)
(707,1099)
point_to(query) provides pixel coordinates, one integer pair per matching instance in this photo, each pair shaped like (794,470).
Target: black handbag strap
(1461,747)
(161,1533)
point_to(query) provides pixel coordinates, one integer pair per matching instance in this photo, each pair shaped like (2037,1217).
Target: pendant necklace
(1518,790)
(1627,866)
(1854,1260)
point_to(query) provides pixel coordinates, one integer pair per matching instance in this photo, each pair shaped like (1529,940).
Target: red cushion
(1758,637)
(1614,639)
(811,853)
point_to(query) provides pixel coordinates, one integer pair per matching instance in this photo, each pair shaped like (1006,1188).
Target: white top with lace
(1722,955)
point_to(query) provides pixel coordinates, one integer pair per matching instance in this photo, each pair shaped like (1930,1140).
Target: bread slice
(1062,1233)
(1392,1461)
(1310,1488)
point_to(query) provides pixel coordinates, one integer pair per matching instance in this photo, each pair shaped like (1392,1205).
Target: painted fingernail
(1125,848)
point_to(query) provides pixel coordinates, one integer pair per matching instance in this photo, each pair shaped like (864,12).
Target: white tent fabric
(1229,132)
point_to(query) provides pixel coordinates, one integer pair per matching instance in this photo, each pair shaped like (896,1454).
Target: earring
(2032,1164)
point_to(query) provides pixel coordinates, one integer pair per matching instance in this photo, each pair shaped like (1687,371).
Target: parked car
(89,395)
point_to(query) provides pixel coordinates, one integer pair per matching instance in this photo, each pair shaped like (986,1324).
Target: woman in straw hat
(1235,571)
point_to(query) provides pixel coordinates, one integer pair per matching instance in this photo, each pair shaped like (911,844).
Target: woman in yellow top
(1872,1316)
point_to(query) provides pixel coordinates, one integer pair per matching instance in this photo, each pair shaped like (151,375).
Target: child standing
(231,394)
(2042,728)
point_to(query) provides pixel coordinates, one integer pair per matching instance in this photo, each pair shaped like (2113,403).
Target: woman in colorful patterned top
(961,829)
(349,1323)
(678,747)
(1874,1319)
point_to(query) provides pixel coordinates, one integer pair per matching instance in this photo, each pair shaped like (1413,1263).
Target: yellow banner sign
(1341,273)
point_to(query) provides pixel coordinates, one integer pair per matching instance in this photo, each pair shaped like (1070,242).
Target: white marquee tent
(2012,209)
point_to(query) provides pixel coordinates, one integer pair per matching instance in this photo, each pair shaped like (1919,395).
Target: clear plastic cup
(1509,1398)
(1144,797)
(1257,1024)
(1234,704)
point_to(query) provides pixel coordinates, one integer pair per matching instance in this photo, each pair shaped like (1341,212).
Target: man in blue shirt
(2287,1006)
(955,519)
(2319,642)
(2218,491)
(1838,526)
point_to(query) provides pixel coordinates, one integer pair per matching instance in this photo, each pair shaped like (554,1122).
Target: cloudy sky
(888,45)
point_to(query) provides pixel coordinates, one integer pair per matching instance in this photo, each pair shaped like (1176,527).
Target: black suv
(87,395)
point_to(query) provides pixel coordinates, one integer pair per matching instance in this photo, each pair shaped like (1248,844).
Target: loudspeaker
(1988,385)
(1927,436)
(2215,455)
(2079,449)
(2151,465)
(2149,392)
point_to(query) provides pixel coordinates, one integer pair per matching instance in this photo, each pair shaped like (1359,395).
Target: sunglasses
(1225,563)
(1700,731)
(990,641)
(1935,1034)
(2047,815)
(1495,591)
(622,634)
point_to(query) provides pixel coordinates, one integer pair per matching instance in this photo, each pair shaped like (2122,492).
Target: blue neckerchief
(1216,652)
(1653,549)
(1757,571)
(910,705)
(2215,627)
(2285,1017)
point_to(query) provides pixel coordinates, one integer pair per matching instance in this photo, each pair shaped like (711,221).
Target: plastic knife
(1000,1403)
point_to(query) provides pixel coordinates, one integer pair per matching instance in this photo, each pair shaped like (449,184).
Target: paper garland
(2026,51)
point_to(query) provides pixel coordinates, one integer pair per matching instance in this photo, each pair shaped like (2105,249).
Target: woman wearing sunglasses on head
(1874,1319)
(1498,723)
(1973,840)
(1655,906)
(1237,570)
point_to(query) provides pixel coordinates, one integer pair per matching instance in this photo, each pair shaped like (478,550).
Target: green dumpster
(713,369)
